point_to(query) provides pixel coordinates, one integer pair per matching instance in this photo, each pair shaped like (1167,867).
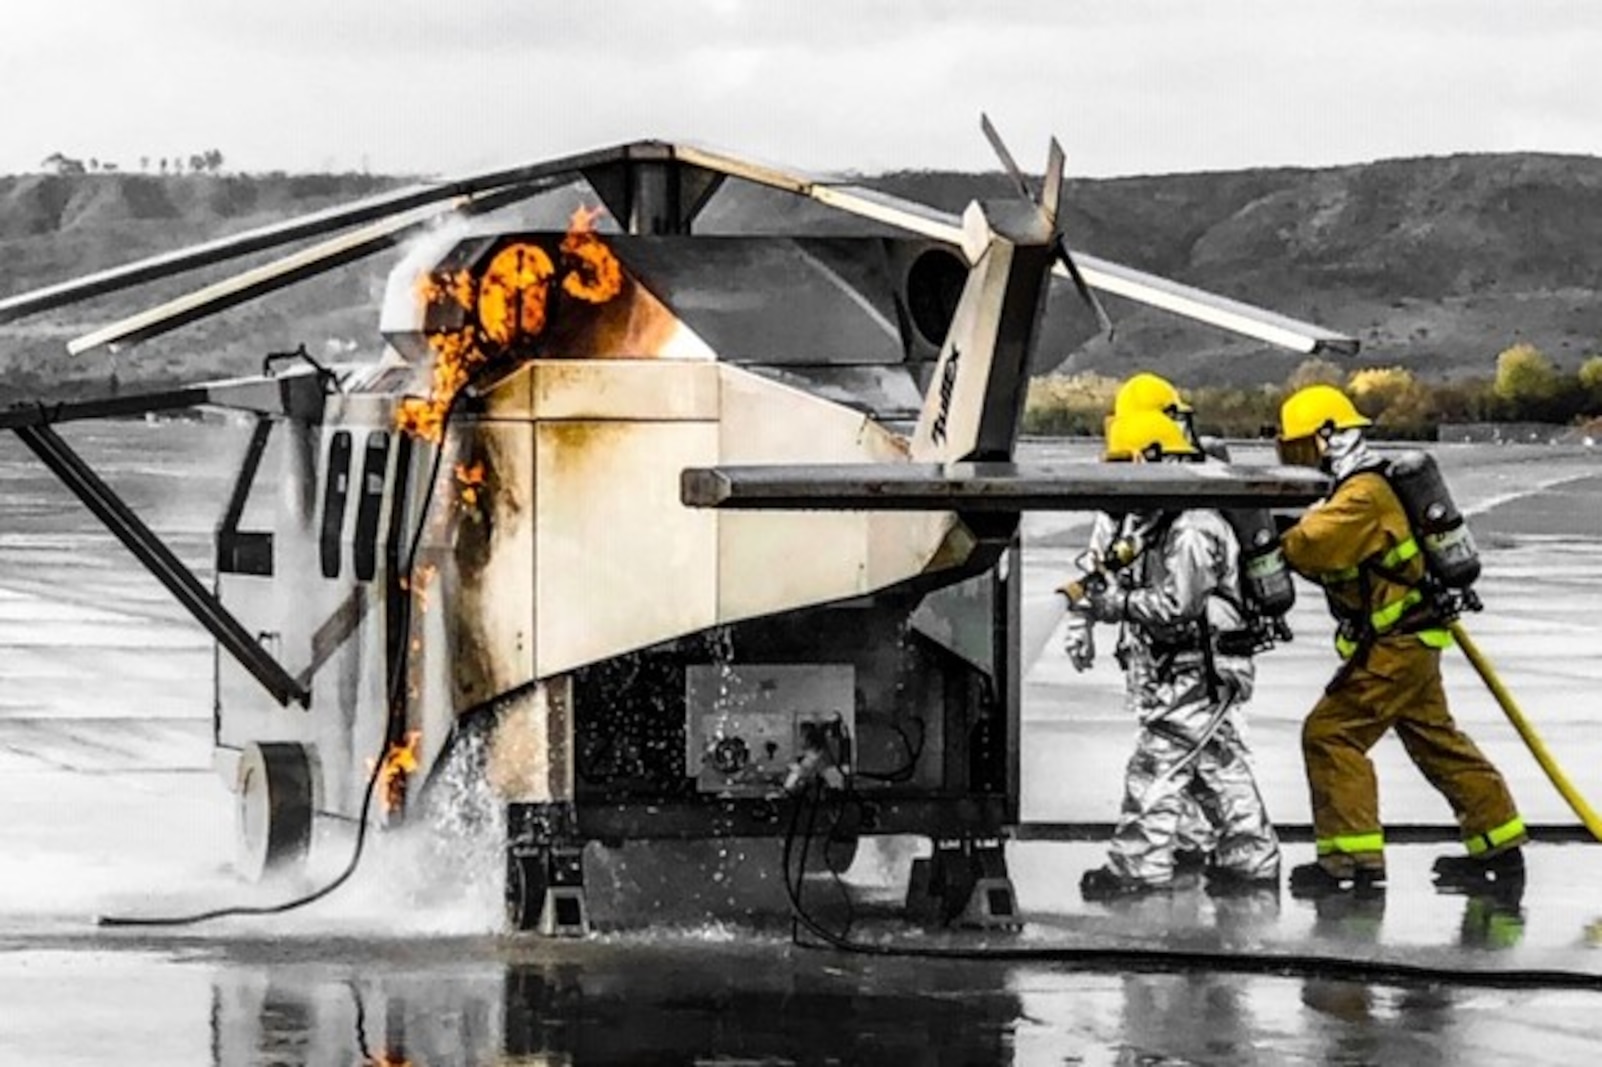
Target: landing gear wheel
(275,808)
(525,889)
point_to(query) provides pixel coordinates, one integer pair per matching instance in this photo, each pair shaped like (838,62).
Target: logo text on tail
(948,385)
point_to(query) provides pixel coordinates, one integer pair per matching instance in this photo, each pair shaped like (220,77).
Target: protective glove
(1080,644)
(1106,605)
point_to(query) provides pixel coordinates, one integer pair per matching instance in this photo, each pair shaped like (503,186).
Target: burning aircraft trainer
(668,526)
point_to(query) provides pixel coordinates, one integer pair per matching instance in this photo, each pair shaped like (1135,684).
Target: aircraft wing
(1100,274)
(296,391)
(1109,277)
(998,487)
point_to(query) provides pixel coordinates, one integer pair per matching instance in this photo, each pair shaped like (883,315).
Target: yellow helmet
(1148,392)
(1148,435)
(1307,411)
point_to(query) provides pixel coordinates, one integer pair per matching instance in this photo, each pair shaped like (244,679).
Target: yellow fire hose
(1537,748)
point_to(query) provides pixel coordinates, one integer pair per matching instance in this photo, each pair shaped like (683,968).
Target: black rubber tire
(275,809)
(525,889)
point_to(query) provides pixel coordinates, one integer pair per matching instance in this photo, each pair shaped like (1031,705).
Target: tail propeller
(1048,201)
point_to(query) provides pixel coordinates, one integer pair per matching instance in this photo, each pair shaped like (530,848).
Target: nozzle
(1121,553)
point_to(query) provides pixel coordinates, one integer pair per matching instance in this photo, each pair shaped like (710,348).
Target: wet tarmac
(108,805)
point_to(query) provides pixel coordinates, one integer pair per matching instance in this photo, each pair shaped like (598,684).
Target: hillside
(1435,263)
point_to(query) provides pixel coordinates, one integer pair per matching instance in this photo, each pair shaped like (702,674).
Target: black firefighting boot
(1223,882)
(1500,873)
(1309,881)
(1103,883)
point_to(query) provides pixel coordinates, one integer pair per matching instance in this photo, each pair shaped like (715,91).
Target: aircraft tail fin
(975,398)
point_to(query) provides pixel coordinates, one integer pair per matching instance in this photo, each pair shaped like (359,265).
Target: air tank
(1265,580)
(1441,531)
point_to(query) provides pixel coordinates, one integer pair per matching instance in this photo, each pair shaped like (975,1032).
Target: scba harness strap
(1197,643)
(1415,610)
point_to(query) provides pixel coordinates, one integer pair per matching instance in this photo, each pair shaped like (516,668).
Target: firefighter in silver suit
(1178,597)
(1141,392)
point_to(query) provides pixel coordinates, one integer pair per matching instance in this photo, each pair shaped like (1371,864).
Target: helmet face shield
(1186,417)
(1299,451)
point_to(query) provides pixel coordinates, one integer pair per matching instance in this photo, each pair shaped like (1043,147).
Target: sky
(1129,86)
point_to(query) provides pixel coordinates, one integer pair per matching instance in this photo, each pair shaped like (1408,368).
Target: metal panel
(776,300)
(773,562)
(487,490)
(743,720)
(530,756)
(269,607)
(619,562)
(667,392)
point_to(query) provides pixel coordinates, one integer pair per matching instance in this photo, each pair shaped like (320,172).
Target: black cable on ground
(1165,960)
(396,682)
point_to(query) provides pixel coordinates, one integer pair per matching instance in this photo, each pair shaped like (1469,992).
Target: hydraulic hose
(1537,747)
(1147,960)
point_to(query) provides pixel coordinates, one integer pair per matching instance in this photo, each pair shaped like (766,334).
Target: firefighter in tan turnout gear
(1144,391)
(1359,545)
(1177,594)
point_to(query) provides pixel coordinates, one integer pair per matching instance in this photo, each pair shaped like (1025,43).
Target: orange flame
(471,479)
(455,357)
(417,584)
(399,763)
(455,287)
(583,220)
(597,277)
(511,294)
(387,1059)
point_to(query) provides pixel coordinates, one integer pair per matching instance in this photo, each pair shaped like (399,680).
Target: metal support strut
(157,558)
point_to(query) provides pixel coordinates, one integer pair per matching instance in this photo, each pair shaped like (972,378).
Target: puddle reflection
(559,1014)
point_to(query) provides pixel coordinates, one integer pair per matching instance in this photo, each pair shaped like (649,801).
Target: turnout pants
(1167,772)
(1397,685)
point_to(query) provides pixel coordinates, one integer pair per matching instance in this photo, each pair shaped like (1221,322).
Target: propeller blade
(1051,201)
(1086,293)
(1051,190)
(1007,162)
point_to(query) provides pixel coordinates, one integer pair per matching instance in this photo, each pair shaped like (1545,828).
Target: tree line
(1526,387)
(208,162)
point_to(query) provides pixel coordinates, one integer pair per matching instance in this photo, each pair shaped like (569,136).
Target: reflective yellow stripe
(1395,557)
(1385,618)
(1345,646)
(1503,930)
(1391,614)
(1492,838)
(1352,844)
(1404,551)
(1436,638)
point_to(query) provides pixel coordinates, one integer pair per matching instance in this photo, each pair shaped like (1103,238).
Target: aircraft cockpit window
(335,489)
(375,465)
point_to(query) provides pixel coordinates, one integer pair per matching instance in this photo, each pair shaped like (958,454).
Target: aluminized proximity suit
(1184,695)
(1359,546)
(1195,833)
